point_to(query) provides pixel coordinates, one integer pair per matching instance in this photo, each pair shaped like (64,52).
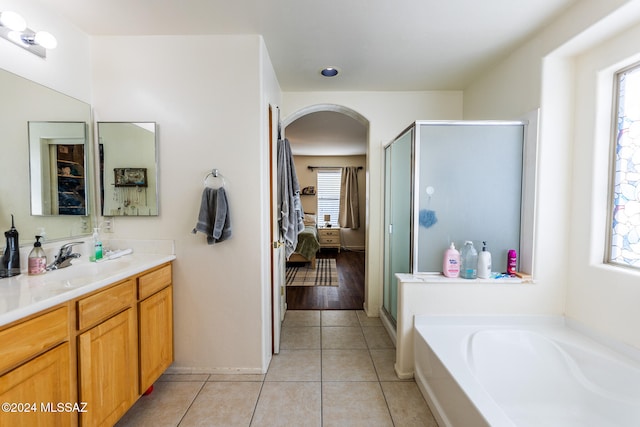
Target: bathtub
(524,371)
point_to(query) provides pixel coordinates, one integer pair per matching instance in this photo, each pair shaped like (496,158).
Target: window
(624,245)
(328,195)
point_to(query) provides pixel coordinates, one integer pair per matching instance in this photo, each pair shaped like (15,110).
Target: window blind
(328,195)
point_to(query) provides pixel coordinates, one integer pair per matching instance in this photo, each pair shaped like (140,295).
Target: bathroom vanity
(80,345)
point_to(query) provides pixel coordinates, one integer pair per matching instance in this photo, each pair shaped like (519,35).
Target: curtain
(349,205)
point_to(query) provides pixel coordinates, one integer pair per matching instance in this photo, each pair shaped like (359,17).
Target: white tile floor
(335,368)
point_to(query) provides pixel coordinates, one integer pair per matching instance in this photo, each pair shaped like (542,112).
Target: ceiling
(378,45)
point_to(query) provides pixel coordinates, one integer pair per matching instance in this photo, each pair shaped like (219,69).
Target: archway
(351,240)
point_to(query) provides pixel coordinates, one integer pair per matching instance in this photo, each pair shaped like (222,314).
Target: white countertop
(24,295)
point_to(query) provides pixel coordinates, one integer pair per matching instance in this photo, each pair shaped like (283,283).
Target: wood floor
(349,295)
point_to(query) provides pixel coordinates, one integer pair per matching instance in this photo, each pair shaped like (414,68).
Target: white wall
(66,68)
(602,296)
(206,94)
(569,274)
(388,114)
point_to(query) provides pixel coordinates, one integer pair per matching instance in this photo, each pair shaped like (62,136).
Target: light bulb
(12,21)
(46,40)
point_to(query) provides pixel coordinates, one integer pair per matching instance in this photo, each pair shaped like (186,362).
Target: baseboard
(354,248)
(210,371)
(389,326)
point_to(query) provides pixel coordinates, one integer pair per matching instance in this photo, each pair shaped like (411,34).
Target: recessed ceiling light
(329,72)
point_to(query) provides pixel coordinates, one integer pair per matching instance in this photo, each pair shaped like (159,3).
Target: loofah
(427,218)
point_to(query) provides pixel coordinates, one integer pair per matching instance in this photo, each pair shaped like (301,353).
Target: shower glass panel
(386,289)
(398,191)
(470,188)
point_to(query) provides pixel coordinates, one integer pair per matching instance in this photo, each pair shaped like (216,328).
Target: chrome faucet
(64,257)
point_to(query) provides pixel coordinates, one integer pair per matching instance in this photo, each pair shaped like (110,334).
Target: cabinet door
(107,372)
(36,388)
(156,336)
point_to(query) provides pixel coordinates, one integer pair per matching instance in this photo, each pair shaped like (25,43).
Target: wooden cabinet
(329,238)
(108,355)
(155,322)
(104,349)
(35,389)
(35,356)
(28,338)
(101,305)
(156,336)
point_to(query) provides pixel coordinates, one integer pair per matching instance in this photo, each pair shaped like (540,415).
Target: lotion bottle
(484,262)
(451,263)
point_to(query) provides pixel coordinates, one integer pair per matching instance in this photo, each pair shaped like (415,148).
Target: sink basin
(83,272)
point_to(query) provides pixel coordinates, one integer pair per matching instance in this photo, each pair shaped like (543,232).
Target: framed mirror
(57,168)
(27,101)
(127,153)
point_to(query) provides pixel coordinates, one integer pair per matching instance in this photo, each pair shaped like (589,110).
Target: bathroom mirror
(25,101)
(127,153)
(57,168)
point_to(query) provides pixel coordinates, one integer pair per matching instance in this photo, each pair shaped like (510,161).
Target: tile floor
(335,368)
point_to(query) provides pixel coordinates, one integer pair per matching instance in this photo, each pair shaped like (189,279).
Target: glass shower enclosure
(450,182)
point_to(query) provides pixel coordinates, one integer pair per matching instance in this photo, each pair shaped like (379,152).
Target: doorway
(331,136)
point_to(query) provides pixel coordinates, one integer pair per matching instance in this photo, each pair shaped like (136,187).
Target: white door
(279,297)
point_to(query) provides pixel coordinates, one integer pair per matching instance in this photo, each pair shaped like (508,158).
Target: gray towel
(213,218)
(290,217)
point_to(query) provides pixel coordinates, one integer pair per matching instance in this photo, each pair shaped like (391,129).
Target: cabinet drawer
(329,241)
(152,282)
(100,306)
(330,233)
(26,339)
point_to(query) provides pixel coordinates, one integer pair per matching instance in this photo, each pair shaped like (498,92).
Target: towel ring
(215,174)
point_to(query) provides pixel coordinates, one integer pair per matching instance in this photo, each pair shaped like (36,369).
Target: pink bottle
(451,262)
(512,261)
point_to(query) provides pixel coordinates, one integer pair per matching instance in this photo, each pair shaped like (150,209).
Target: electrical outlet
(107,225)
(84,224)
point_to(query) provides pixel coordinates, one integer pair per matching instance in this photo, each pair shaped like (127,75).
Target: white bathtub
(523,371)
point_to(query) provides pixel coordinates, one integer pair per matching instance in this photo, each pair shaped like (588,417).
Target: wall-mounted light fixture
(13,27)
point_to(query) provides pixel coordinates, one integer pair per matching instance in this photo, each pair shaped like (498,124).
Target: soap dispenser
(11,257)
(37,259)
(96,254)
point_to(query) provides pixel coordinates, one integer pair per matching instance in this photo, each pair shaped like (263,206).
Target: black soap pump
(11,257)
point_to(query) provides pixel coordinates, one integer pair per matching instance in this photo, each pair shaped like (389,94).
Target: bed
(308,244)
